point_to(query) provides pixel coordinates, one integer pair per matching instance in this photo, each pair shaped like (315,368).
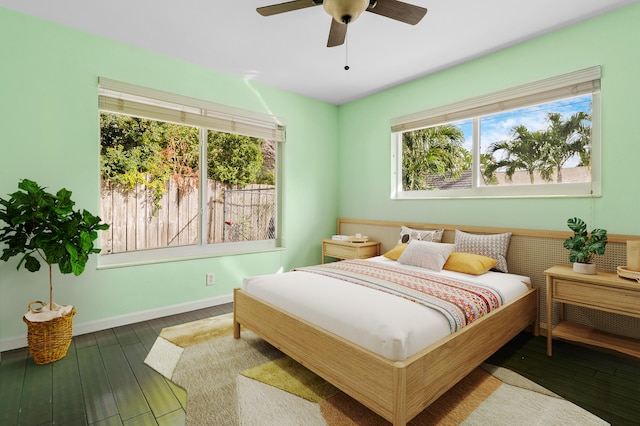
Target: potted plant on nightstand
(39,226)
(583,247)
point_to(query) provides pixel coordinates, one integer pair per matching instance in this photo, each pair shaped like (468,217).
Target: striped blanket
(461,302)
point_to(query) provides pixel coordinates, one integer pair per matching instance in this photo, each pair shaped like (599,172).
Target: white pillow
(426,254)
(407,234)
(490,245)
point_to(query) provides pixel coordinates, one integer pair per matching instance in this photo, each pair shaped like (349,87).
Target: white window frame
(124,98)
(586,81)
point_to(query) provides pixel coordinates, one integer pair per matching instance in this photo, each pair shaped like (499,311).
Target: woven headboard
(530,253)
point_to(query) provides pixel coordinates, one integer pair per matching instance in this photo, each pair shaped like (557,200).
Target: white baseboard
(92,327)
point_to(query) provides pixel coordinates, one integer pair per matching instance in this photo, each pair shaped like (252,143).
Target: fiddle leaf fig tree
(582,246)
(40,226)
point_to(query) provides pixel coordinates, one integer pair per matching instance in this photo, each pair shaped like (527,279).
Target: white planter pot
(584,268)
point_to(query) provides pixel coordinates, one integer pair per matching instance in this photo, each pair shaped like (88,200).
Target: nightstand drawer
(348,250)
(340,252)
(608,298)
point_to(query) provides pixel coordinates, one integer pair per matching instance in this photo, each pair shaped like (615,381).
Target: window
(537,140)
(182,177)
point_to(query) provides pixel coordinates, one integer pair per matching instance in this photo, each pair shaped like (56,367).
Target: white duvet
(388,325)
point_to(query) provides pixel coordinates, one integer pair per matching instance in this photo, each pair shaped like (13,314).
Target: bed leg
(400,396)
(236,329)
(236,324)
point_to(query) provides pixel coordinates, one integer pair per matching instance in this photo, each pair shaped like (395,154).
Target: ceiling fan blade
(289,6)
(337,33)
(400,11)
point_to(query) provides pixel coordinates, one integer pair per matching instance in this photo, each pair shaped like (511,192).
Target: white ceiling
(288,51)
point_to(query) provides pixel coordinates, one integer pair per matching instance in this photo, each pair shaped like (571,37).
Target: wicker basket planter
(48,341)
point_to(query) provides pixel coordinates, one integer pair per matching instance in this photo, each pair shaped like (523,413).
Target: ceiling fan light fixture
(345,10)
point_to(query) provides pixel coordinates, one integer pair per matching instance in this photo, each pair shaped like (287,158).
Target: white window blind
(573,84)
(128,99)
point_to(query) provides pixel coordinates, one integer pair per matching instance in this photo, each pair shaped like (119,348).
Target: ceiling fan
(346,11)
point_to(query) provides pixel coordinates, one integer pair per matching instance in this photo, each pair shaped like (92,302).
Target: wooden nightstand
(604,291)
(348,250)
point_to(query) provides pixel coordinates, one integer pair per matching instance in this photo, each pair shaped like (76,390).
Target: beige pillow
(395,252)
(490,245)
(426,254)
(407,234)
(469,263)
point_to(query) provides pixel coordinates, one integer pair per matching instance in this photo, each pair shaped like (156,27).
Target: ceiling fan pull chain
(346,53)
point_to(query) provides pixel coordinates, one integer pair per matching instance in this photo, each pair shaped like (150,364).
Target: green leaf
(31,263)
(29,186)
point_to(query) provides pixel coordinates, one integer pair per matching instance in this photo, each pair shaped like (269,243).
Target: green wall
(49,132)
(611,41)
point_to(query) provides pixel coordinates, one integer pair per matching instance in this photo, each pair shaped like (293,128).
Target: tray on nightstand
(626,273)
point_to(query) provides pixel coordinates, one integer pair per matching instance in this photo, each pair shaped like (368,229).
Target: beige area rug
(248,382)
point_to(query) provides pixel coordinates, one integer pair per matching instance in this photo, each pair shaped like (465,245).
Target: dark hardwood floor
(103,380)
(603,383)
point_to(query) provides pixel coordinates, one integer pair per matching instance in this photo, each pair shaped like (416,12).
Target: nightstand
(348,250)
(603,291)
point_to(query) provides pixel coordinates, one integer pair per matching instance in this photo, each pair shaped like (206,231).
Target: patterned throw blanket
(461,302)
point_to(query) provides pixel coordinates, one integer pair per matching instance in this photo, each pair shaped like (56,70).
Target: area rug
(249,382)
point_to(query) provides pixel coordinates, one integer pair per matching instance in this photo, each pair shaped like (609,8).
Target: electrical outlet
(211,278)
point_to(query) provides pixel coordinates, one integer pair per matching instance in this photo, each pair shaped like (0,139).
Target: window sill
(184,253)
(580,190)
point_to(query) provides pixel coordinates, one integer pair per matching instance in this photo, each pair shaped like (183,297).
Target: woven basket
(48,341)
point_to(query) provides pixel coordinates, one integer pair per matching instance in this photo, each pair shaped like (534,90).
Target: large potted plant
(40,226)
(583,247)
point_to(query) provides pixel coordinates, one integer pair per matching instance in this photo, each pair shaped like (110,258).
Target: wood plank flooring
(103,380)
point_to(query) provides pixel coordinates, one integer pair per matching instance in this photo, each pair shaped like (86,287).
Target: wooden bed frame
(396,390)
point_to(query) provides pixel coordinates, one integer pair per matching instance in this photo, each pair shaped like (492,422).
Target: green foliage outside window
(439,151)
(137,151)
(433,151)
(545,151)
(233,159)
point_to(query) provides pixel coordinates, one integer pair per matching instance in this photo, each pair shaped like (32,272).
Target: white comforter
(390,326)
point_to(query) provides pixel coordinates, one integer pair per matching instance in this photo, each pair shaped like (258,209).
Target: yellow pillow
(394,253)
(469,263)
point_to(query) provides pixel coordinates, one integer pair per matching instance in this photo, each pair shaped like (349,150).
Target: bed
(397,377)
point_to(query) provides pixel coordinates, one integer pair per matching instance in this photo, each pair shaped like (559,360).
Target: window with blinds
(182,177)
(537,140)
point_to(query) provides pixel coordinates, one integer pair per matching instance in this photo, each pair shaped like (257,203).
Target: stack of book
(351,238)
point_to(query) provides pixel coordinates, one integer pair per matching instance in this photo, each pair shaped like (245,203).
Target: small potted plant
(40,226)
(583,247)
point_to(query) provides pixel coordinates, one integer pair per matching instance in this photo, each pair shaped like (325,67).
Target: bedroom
(48,86)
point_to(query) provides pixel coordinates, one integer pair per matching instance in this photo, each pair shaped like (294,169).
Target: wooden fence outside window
(245,214)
